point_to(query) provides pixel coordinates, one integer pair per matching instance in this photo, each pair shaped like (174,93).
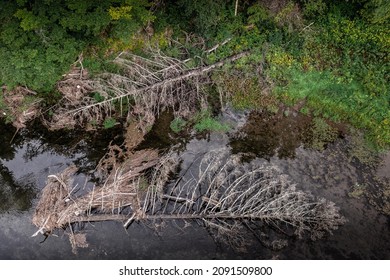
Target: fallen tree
(230,198)
(58,207)
(145,87)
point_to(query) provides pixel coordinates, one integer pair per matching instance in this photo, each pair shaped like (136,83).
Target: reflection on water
(14,195)
(265,135)
(24,167)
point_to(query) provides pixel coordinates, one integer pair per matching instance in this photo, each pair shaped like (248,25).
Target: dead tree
(225,195)
(145,87)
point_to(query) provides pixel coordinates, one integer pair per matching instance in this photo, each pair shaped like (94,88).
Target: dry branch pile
(74,87)
(58,207)
(223,194)
(53,202)
(19,106)
(145,87)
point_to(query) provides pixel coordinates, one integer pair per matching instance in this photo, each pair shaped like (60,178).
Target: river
(35,153)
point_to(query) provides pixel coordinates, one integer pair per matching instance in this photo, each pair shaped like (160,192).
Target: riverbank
(272,121)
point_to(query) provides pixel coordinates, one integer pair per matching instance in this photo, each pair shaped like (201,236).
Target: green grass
(178,125)
(210,124)
(109,123)
(332,98)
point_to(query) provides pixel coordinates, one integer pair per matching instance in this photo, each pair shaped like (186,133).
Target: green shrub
(109,123)
(211,124)
(204,121)
(177,125)
(39,40)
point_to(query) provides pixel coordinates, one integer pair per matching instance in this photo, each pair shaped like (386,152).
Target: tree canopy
(333,54)
(39,39)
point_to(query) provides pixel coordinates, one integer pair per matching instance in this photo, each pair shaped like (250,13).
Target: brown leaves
(20,106)
(75,84)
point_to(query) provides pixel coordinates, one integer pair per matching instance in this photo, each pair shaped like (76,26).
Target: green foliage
(338,62)
(377,11)
(98,97)
(205,122)
(313,8)
(109,123)
(351,82)
(331,97)
(258,15)
(177,125)
(211,124)
(40,39)
(203,17)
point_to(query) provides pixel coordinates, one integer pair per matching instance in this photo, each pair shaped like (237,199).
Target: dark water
(24,167)
(35,154)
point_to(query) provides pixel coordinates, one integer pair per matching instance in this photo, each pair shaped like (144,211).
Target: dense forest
(329,59)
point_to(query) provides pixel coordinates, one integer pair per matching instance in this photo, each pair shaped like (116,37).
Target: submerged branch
(226,195)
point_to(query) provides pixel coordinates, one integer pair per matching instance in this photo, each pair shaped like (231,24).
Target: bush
(109,123)
(205,122)
(177,125)
(211,124)
(40,39)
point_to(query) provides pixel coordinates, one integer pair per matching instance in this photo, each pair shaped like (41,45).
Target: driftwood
(58,208)
(53,200)
(227,196)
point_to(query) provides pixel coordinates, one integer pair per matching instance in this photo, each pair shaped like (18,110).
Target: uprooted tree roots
(232,199)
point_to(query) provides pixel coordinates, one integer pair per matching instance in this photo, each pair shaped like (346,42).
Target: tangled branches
(145,87)
(230,198)
(19,105)
(58,207)
(75,87)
